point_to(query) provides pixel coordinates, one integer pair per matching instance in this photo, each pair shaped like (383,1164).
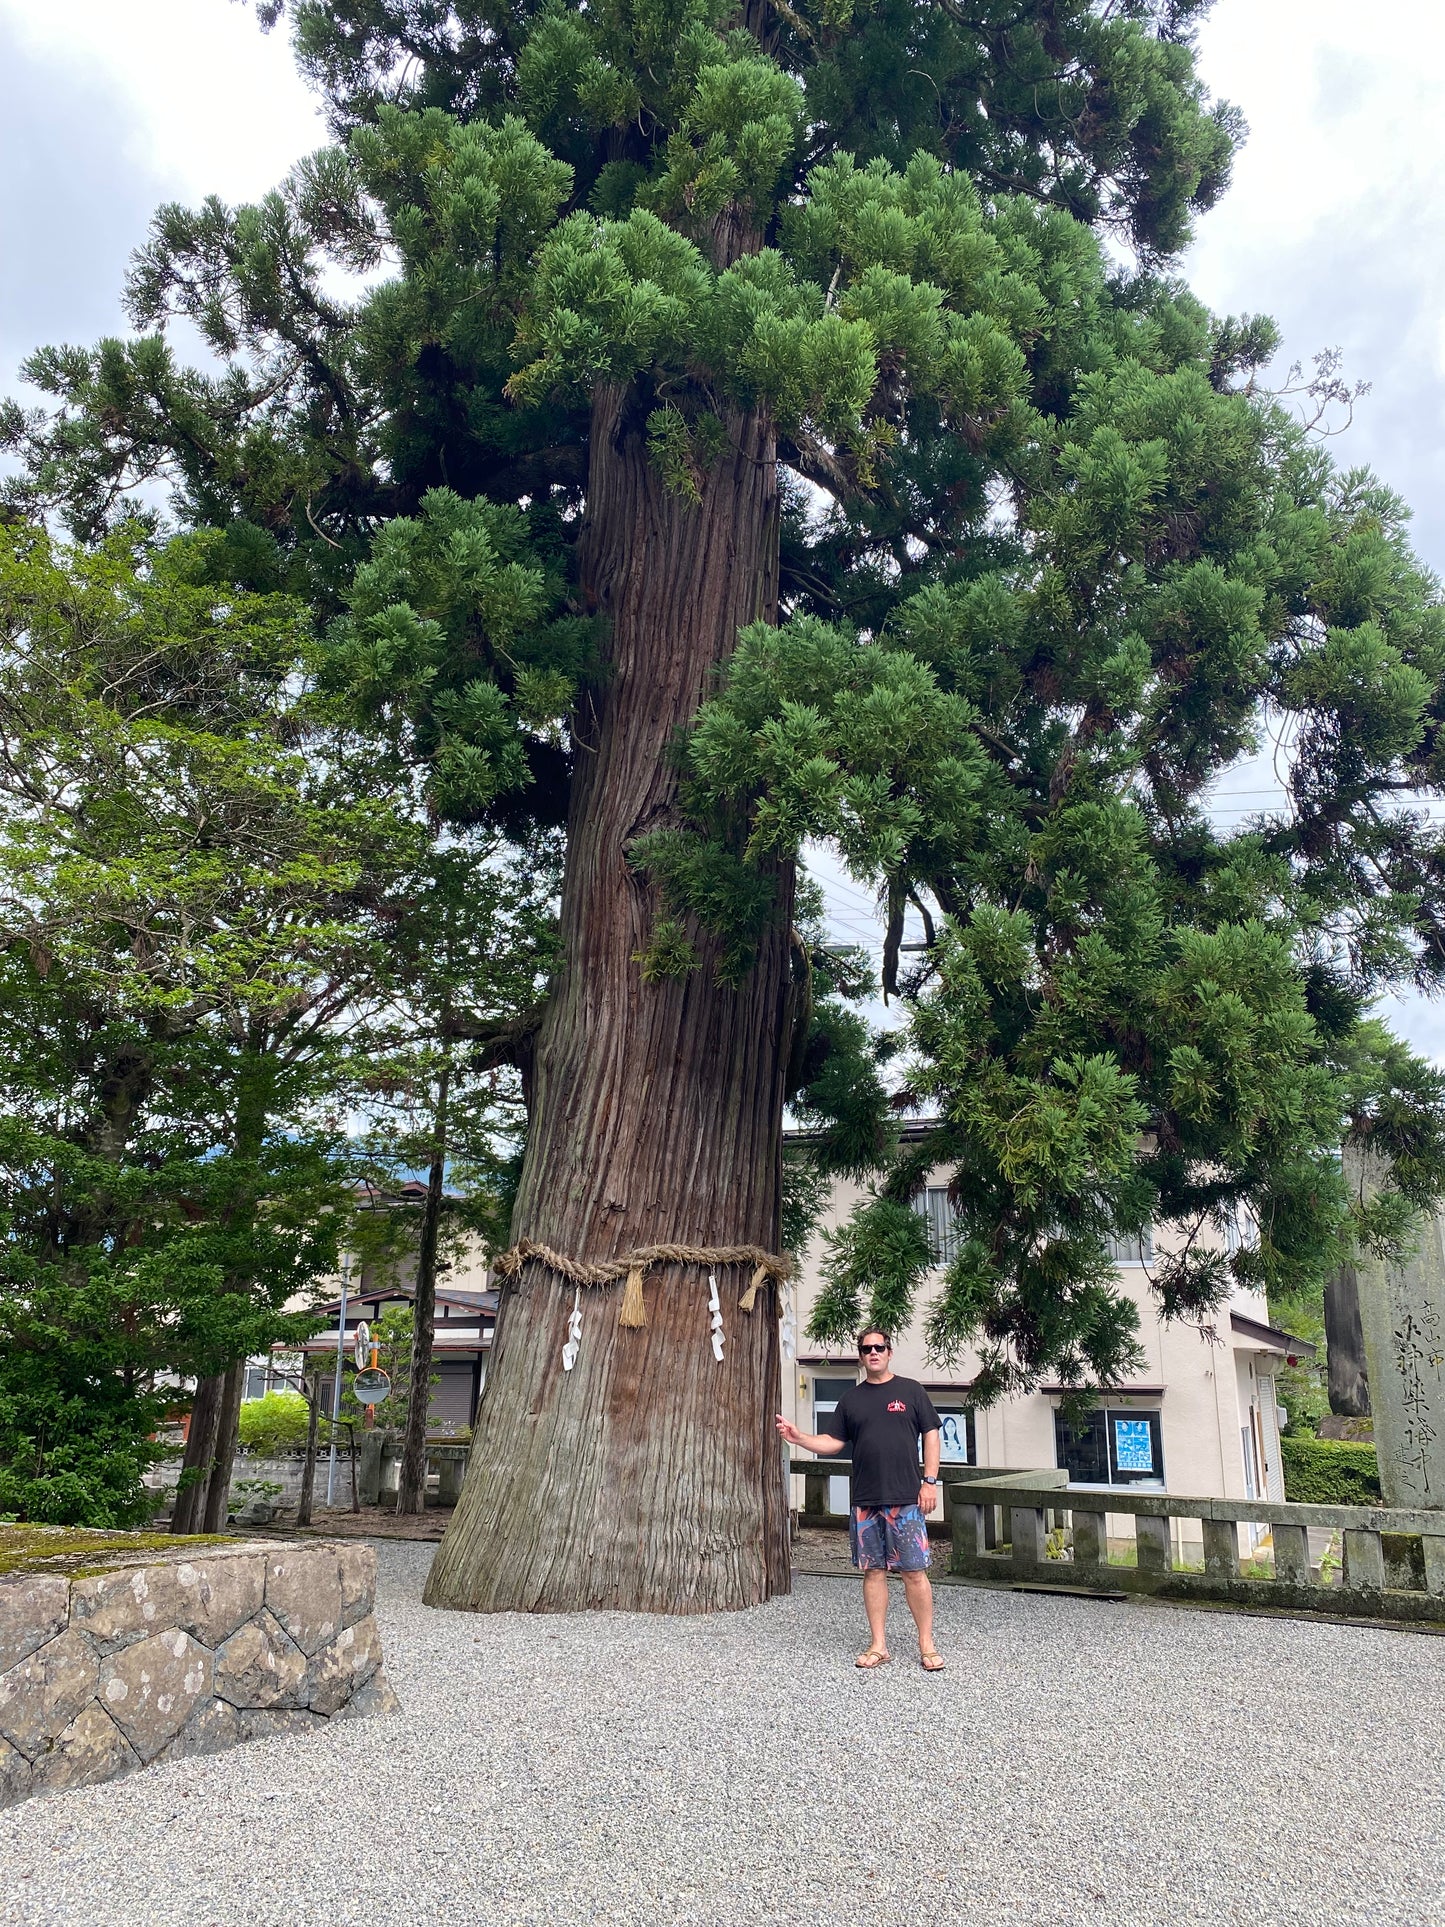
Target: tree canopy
(1049,560)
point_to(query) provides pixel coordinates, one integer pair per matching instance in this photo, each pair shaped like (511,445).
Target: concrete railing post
(1152,1537)
(1028,1534)
(1364,1561)
(1292,1555)
(1091,1543)
(1221,1548)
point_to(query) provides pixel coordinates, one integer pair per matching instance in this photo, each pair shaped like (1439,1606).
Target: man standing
(880,1423)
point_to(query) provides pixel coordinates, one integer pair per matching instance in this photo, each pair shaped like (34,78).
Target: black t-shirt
(881,1426)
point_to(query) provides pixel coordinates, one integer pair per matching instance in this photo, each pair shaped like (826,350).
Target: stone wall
(103,1672)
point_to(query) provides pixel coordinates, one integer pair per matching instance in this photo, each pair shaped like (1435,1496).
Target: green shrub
(1329,1472)
(275,1423)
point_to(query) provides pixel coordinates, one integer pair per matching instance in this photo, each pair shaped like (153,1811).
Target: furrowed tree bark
(649,1477)
(200,1453)
(228,1433)
(411,1485)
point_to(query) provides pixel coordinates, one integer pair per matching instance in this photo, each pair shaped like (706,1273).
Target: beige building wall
(1211,1384)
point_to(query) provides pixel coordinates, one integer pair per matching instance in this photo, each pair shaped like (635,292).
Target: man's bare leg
(919,1594)
(875,1604)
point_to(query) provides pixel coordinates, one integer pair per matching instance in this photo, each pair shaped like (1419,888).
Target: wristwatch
(928,1481)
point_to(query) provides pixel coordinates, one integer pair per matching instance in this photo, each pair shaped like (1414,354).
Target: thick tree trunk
(649,1477)
(411,1485)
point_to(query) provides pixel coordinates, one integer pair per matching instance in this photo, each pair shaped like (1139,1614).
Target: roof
(1105,1391)
(1267,1338)
(462,1344)
(482,1302)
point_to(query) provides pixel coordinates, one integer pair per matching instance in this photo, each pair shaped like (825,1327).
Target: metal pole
(336,1389)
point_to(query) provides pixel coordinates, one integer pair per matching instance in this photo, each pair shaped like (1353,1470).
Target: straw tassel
(750,1296)
(633,1312)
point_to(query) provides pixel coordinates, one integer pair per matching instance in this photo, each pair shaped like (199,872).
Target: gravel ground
(1079,1762)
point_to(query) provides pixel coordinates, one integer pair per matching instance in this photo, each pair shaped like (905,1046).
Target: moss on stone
(78,1551)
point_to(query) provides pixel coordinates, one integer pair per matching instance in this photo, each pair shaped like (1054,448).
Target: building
(466,1316)
(1201,1418)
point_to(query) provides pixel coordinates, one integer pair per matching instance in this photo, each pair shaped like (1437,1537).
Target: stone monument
(1402,1321)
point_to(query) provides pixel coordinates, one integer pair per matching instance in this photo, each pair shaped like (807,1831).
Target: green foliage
(1329,1472)
(276,1422)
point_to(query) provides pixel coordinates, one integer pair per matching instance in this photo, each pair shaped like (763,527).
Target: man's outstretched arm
(822,1443)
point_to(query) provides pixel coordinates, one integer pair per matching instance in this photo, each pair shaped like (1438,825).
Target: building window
(1132,1248)
(1113,1446)
(826,1393)
(1241,1230)
(932,1205)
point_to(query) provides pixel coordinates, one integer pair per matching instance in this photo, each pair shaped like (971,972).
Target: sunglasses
(863,1350)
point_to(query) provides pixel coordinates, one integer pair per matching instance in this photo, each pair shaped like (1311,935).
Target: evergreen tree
(189,896)
(748,439)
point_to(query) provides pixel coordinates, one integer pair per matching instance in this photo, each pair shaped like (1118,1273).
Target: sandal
(932,1662)
(871,1660)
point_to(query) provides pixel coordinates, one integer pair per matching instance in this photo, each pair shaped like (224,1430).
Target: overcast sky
(1335,224)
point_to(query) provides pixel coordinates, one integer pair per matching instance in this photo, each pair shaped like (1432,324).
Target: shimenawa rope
(632,1264)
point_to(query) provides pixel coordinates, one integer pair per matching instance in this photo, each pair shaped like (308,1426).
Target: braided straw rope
(632,1264)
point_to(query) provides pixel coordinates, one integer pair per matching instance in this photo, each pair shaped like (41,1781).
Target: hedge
(1329,1472)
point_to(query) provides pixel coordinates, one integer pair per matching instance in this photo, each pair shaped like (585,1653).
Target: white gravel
(1078,1762)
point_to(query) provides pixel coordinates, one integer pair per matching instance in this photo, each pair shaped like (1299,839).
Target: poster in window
(1133,1445)
(953,1438)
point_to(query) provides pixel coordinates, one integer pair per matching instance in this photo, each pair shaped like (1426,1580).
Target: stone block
(34,1607)
(115,1609)
(303,1590)
(376,1696)
(261,1666)
(212,1728)
(271,1723)
(218,1595)
(44,1693)
(344,1666)
(16,1775)
(356,1566)
(151,1689)
(1432,1547)
(92,1748)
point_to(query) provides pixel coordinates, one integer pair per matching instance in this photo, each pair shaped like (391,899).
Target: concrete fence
(1033,1528)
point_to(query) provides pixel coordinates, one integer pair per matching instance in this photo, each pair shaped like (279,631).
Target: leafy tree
(187,895)
(751,439)
(275,1422)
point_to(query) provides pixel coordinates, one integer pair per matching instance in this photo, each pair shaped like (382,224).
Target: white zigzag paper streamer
(716,1306)
(574,1332)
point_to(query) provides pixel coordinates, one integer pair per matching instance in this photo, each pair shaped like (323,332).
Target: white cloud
(213,105)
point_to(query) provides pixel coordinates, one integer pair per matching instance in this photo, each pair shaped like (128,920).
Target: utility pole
(336,1389)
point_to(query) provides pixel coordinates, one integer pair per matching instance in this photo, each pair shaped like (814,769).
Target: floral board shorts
(889,1538)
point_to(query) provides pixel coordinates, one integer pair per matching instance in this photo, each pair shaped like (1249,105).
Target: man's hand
(789,1431)
(927,1497)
